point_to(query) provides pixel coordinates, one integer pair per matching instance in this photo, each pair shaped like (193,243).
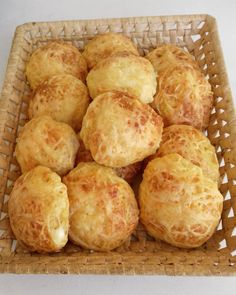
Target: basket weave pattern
(140,254)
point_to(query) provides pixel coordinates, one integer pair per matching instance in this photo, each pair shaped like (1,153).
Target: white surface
(13,13)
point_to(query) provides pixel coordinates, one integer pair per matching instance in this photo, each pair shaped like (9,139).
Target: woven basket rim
(71,264)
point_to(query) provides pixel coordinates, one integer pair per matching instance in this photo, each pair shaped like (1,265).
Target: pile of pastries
(99,118)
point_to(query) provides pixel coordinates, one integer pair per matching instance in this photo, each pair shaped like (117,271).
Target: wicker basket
(141,254)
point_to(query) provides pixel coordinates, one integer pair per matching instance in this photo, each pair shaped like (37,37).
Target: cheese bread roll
(124,72)
(103,208)
(63,97)
(178,203)
(56,57)
(39,210)
(46,142)
(103,46)
(192,145)
(119,130)
(184,96)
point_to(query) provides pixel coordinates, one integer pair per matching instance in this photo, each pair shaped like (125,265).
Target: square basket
(140,254)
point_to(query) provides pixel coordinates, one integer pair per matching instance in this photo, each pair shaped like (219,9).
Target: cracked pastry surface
(103,208)
(63,97)
(46,142)
(119,130)
(39,210)
(105,45)
(192,145)
(124,72)
(178,203)
(56,57)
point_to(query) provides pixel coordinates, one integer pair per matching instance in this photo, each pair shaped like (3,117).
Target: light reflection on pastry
(124,72)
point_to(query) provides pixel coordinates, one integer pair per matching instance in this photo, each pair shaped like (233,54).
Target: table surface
(13,13)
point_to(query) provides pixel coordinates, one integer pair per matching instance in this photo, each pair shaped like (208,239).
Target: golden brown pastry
(165,56)
(124,72)
(191,144)
(103,46)
(63,97)
(184,96)
(178,203)
(39,210)
(119,130)
(46,142)
(56,57)
(103,209)
(128,173)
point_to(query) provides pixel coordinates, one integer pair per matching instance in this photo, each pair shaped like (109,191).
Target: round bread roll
(165,56)
(103,209)
(63,97)
(56,57)
(124,72)
(119,130)
(46,142)
(128,173)
(184,97)
(192,145)
(178,203)
(39,210)
(103,46)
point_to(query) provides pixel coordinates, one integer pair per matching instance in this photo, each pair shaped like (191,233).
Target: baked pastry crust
(124,72)
(46,142)
(63,97)
(184,96)
(119,130)
(56,57)
(128,173)
(105,45)
(192,145)
(165,56)
(103,209)
(38,209)
(178,203)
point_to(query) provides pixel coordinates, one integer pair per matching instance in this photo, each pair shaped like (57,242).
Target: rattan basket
(140,254)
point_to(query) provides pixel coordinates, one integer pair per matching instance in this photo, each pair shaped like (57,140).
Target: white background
(13,13)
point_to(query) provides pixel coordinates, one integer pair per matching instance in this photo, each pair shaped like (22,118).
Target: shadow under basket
(140,254)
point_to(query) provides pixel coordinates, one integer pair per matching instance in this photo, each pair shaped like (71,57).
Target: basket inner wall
(196,36)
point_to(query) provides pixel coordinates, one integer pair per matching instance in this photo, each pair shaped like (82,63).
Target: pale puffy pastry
(119,130)
(46,142)
(165,56)
(103,46)
(184,96)
(56,57)
(103,208)
(63,97)
(124,72)
(191,144)
(178,203)
(128,173)
(38,209)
